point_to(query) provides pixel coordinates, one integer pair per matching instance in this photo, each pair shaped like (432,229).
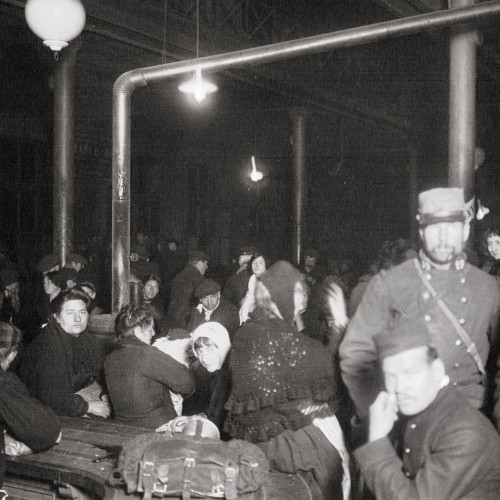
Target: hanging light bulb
(198,86)
(482,211)
(56,22)
(256,176)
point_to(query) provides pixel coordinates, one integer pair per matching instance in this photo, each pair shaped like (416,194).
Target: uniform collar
(458,264)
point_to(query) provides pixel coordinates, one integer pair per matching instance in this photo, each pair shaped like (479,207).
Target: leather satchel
(181,466)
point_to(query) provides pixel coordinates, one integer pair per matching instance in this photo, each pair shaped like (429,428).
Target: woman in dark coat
(64,359)
(283,395)
(139,376)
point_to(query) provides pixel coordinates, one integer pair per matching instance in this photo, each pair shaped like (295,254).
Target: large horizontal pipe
(129,81)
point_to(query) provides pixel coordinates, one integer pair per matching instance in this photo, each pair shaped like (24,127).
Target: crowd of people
(386,389)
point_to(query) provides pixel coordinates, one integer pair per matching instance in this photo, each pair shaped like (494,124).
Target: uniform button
(427,317)
(456,365)
(412,426)
(426,295)
(428,276)
(407,450)
(458,342)
(462,280)
(461,321)
(463,300)
(407,474)
(455,384)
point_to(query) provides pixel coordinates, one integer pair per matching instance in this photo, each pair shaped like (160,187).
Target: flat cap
(46,263)
(10,335)
(248,251)
(197,255)
(311,252)
(441,205)
(406,334)
(76,257)
(207,287)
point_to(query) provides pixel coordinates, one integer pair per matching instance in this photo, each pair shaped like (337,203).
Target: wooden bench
(80,465)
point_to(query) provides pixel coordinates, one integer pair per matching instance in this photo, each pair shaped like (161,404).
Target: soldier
(458,302)
(425,439)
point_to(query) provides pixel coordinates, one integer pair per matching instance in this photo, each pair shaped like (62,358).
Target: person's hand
(99,408)
(15,448)
(383,414)
(335,307)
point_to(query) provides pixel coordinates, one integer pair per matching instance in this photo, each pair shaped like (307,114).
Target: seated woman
(151,296)
(65,359)
(26,425)
(283,390)
(257,265)
(210,345)
(139,376)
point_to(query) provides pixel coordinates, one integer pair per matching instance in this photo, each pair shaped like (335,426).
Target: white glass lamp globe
(56,22)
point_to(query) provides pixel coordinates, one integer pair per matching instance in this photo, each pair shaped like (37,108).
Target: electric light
(256,176)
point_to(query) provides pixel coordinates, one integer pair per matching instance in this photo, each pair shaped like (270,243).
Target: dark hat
(207,287)
(77,258)
(407,334)
(10,335)
(67,273)
(8,276)
(47,263)
(197,255)
(441,205)
(248,251)
(311,252)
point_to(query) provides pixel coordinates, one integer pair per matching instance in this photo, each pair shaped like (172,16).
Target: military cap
(405,335)
(197,255)
(46,263)
(10,335)
(248,251)
(441,205)
(207,287)
(77,258)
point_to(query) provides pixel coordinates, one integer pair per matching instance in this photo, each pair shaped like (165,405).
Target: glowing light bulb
(198,87)
(256,176)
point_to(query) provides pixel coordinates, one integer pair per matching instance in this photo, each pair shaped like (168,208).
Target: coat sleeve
(24,417)
(358,355)
(493,364)
(457,465)
(164,369)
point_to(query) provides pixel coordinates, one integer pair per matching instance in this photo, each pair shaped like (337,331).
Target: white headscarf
(217,334)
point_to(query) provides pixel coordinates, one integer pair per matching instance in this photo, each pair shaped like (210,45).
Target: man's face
(172,246)
(494,246)
(210,302)
(203,266)
(413,379)
(309,262)
(443,241)
(151,290)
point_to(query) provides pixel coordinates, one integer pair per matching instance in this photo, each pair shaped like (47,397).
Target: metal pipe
(127,82)
(298,116)
(462,112)
(63,153)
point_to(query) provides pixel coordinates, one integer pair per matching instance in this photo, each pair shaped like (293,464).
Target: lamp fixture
(56,22)
(198,87)
(482,211)
(256,176)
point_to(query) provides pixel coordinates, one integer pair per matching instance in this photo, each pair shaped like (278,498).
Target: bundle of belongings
(191,464)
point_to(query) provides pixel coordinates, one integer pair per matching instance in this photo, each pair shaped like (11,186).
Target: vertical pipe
(298,116)
(121,203)
(462,119)
(63,152)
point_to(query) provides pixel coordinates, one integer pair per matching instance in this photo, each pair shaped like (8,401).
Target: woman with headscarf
(283,394)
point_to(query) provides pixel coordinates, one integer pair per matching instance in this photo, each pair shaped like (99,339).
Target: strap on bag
(464,336)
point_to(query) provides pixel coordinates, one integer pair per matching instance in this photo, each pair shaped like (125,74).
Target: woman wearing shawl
(283,395)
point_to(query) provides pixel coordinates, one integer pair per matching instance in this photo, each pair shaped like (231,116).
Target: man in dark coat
(236,285)
(440,447)
(441,288)
(29,425)
(213,307)
(184,285)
